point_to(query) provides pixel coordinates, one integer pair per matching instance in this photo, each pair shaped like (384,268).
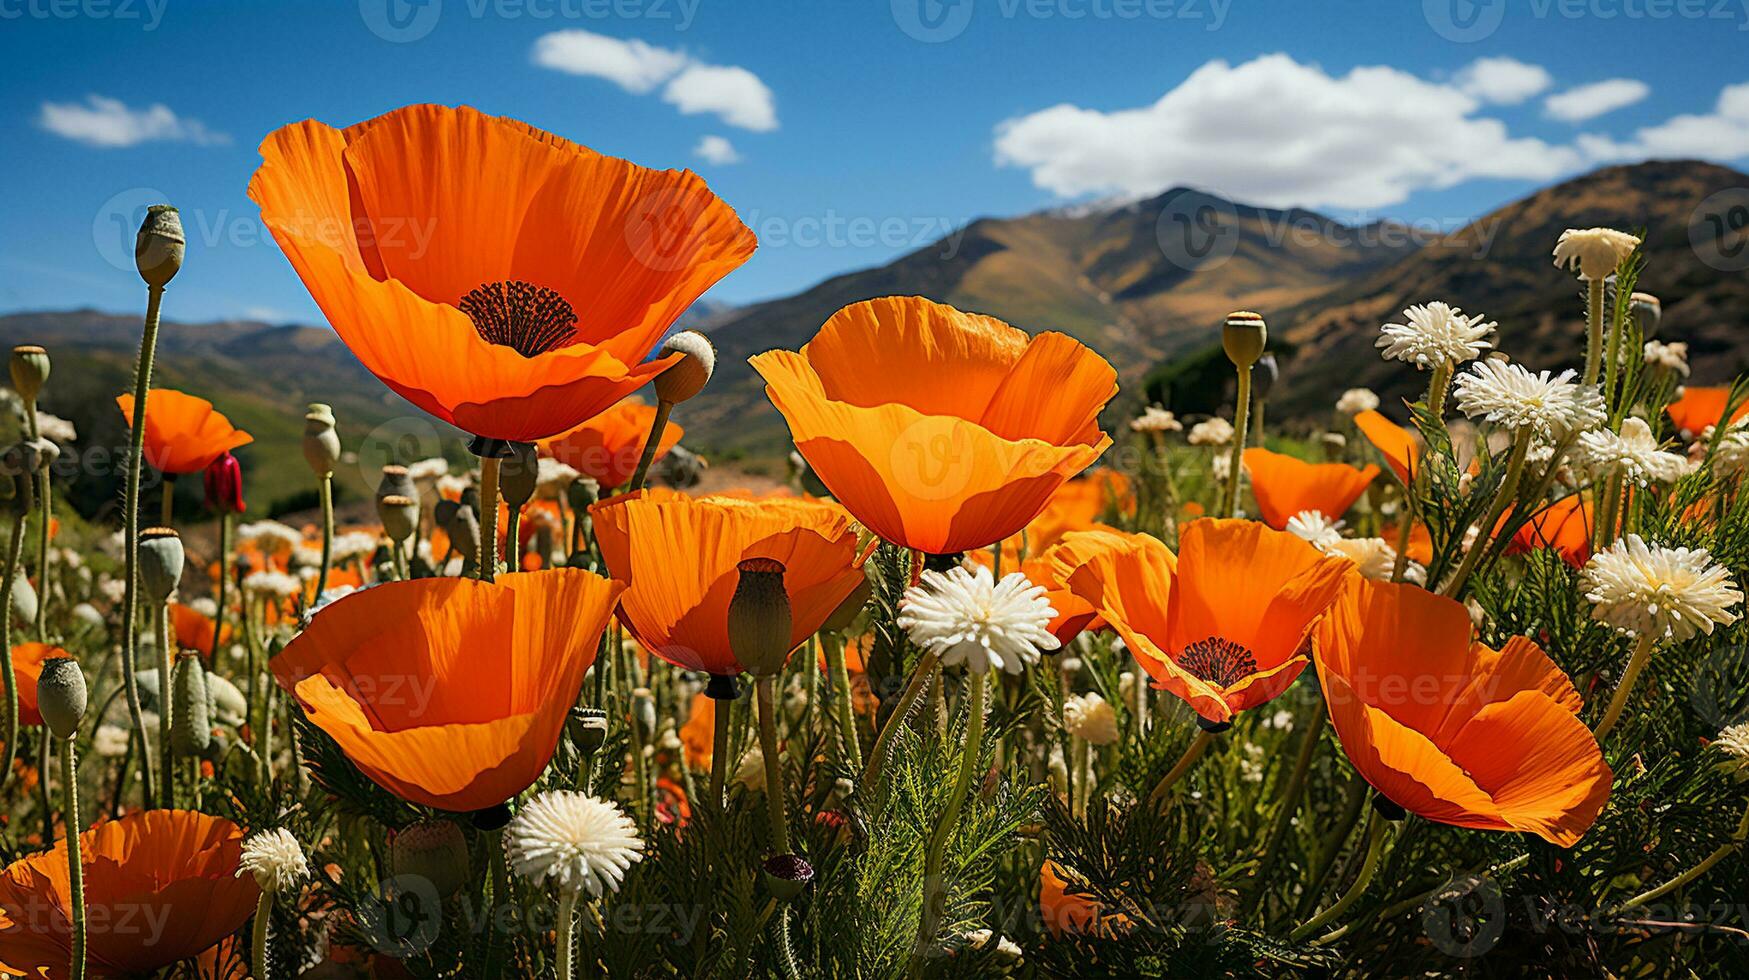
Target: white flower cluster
(1357,400)
(1651,590)
(1211,432)
(1632,453)
(1435,334)
(1155,419)
(270,535)
(968,617)
(1551,406)
(573,840)
(276,860)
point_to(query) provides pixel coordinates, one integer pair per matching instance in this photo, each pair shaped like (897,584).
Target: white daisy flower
(1651,590)
(354,544)
(56,429)
(1090,718)
(573,840)
(1734,743)
(1551,406)
(270,534)
(1211,432)
(1633,453)
(1593,252)
(1435,334)
(276,860)
(1315,529)
(1671,357)
(1156,419)
(1357,400)
(110,741)
(427,471)
(1005,949)
(276,584)
(967,617)
(1375,557)
(553,478)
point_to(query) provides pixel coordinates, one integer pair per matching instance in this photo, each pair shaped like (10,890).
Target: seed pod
(191,729)
(687,376)
(24,601)
(759,617)
(519,474)
(587,728)
(30,368)
(161,560)
(321,442)
(60,696)
(396,482)
(1244,336)
(583,493)
(1264,376)
(159,246)
(1650,311)
(400,516)
(786,875)
(433,850)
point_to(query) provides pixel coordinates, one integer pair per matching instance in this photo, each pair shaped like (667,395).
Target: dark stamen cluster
(1218,661)
(529,319)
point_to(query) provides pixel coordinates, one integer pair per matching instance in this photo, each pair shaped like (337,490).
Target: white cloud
(109,123)
(1590,101)
(734,94)
(632,65)
(1273,131)
(717,150)
(1722,134)
(1505,81)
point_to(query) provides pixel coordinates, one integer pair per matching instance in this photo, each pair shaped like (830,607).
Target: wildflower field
(1019,676)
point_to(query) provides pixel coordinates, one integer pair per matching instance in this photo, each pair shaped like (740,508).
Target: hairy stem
(75,861)
(763,689)
(1193,752)
(1636,663)
(883,745)
(8,575)
(1241,418)
(648,456)
(934,888)
(1507,493)
(131,529)
(1375,848)
(488,518)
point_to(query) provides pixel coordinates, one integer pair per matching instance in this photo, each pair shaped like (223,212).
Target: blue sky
(859,129)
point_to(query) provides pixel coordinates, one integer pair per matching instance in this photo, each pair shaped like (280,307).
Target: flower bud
(191,729)
(1244,336)
(583,493)
(159,246)
(24,601)
(396,482)
(30,368)
(321,442)
(1264,376)
(224,485)
(847,610)
(687,376)
(464,533)
(1646,307)
(161,560)
(519,474)
(433,850)
(60,696)
(400,516)
(759,617)
(644,712)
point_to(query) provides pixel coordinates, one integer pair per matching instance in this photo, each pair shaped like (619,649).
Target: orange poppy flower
(1285,486)
(1700,407)
(1446,727)
(607,446)
(194,629)
(183,433)
(1071,912)
(1223,623)
(1076,506)
(698,734)
(1420,541)
(680,555)
(1398,445)
(171,874)
(497,276)
(1564,525)
(940,430)
(449,692)
(27,666)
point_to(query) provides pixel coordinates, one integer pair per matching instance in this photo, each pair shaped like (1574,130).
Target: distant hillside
(1515,282)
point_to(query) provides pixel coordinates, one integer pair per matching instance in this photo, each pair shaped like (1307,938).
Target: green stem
(849,747)
(131,528)
(258,935)
(512,540)
(1331,847)
(1375,848)
(1437,385)
(1612,365)
(42,557)
(493,965)
(167,502)
(1593,329)
(325,490)
(934,888)
(224,585)
(9,572)
(1193,752)
(877,759)
(1289,803)
(719,748)
(75,861)
(1241,418)
(166,706)
(567,928)
(1636,663)
(488,518)
(1405,528)
(648,456)
(1719,853)
(1504,497)
(773,770)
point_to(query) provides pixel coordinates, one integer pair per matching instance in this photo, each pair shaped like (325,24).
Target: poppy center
(1218,661)
(526,318)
